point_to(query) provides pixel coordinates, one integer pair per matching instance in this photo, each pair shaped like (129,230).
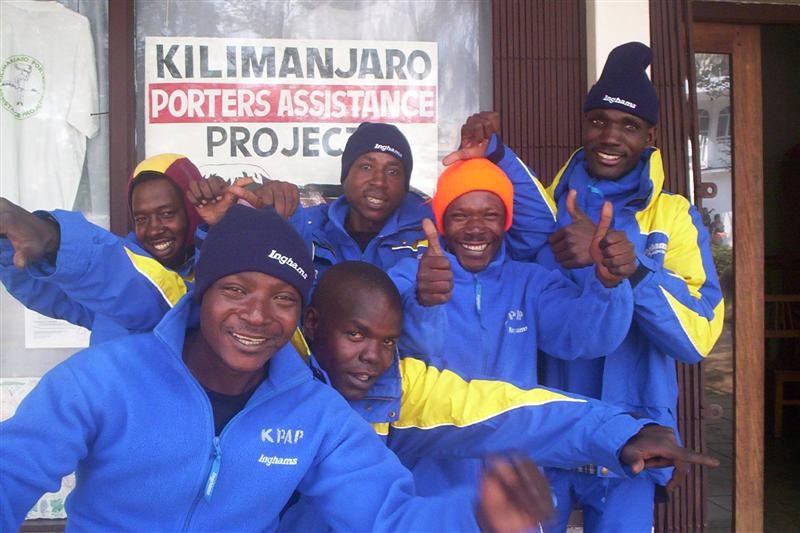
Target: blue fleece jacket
(323,226)
(497,318)
(100,281)
(138,429)
(423,411)
(677,302)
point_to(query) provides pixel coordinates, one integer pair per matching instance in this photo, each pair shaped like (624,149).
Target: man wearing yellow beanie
(470,308)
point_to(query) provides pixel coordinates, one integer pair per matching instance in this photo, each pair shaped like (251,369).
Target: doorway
(730,195)
(748,162)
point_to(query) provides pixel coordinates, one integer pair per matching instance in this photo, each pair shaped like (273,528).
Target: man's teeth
(362,377)
(374,201)
(475,247)
(249,341)
(608,157)
(161,246)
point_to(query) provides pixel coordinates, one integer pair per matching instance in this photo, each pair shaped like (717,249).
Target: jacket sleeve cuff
(616,433)
(496,150)
(75,250)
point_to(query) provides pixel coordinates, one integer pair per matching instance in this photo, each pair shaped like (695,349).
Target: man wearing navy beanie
(678,307)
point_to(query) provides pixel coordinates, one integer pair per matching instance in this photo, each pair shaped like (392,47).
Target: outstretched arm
(85,271)
(443,415)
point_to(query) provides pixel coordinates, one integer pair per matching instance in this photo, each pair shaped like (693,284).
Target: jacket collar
(492,271)
(382,401)
(408,215)
(573,175)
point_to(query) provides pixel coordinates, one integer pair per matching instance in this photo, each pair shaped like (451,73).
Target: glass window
(55,133)
(371,55)
(724,123)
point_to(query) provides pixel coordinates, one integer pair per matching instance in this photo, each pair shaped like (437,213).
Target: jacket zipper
(216,454)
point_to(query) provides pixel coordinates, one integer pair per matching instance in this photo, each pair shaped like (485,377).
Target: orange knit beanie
(476,174)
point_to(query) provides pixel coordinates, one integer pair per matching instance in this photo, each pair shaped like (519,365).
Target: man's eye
(286,298)
(234,290)
(596,122)
(631,127)
(491,216)
(390,343)
(392,172)
(167,214)
(139,220)
(355,335)
(366,166)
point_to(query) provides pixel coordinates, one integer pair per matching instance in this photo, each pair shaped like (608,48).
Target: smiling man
(473,310)
(678,307)
(212,421)
(63,266)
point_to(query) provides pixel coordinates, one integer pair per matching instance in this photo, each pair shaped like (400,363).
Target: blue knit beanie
(624,84)
(377,137)
(254,240)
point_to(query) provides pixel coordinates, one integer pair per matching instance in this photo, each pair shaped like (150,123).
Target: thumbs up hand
(613,254)
(570,244)
(434,276)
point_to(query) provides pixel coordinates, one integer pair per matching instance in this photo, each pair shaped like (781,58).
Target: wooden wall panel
(672,71)
(539,62)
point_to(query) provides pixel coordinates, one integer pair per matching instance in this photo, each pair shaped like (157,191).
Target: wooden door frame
(743,43)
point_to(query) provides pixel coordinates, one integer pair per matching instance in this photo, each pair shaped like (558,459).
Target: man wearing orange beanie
(470,308)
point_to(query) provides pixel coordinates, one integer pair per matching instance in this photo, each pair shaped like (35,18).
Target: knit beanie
(254,240)
(181,172)
(476,174)
(624,84)
(377,137)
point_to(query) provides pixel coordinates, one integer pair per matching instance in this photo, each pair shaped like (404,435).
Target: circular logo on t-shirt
(22,85)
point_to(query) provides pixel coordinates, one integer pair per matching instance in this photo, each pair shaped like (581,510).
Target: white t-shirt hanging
(48,102)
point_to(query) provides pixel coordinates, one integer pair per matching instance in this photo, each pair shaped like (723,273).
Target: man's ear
(310,323)
(651,136)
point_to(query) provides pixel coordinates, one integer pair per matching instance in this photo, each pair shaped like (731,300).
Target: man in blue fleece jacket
(353,324)
(677,302)
(211,421)
(471,309)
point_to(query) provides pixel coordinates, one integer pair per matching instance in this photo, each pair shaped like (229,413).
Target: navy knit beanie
(254,240)
(377,137)
(624,84)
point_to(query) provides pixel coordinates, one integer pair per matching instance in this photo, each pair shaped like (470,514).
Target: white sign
(285,106)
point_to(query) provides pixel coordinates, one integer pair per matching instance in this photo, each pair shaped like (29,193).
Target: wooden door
(733,56)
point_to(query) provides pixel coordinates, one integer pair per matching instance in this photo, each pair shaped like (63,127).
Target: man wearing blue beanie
(678,307)
(212,421)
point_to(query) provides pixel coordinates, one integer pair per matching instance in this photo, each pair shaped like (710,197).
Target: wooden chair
(782,321)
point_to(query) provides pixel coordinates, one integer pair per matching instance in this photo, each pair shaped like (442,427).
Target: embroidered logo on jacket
(281,436)
(515,322)
(269,460)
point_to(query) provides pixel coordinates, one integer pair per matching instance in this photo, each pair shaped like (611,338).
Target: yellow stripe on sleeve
(700,331)
(433,398)
(168,282)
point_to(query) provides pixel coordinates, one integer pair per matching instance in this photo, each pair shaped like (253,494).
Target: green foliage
(723,256)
